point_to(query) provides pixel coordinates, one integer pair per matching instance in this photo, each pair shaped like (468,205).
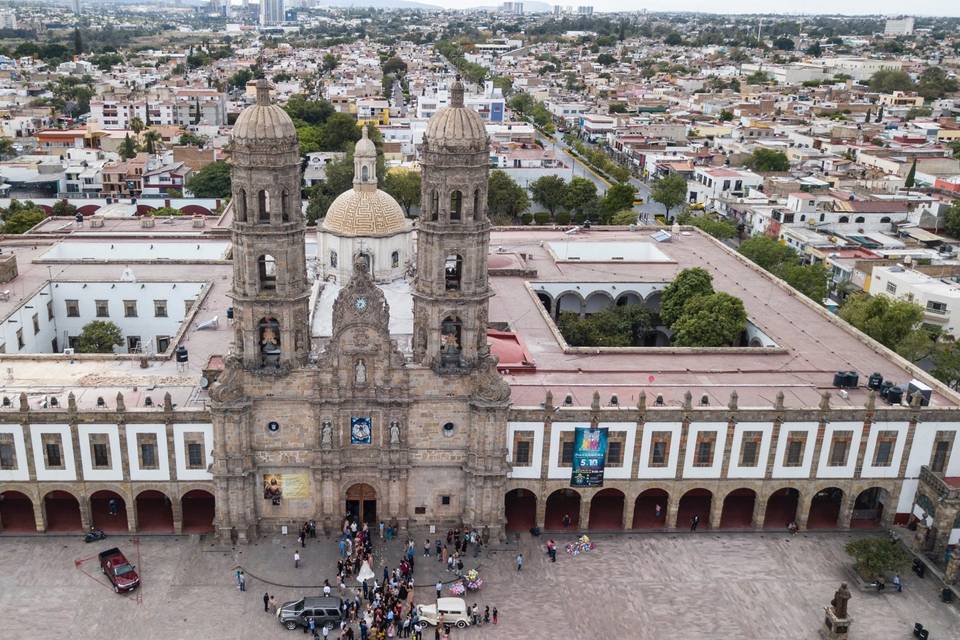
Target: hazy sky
(884,7)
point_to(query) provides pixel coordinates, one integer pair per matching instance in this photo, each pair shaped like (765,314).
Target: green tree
(624,326)
(951,219)
(212,181)
(889,80)
(946,364)
(6,148)
(625,217)
(720,229)
(605,59)
(77,42)
(784,43)
(687,285)
(404,185)
(814,50)
(877,556)
(136,125)
(617,198)
(808,279)
(768,160)
(504,196)
(549,191)
(99,336)
(955,148)
(521,102)
(339,130)
(312,112)
(673,39)
(150,140)
(758,77)
(330,62)
(911,178)
(726,116)
(714,320)
(22,218)
(394,66)
(766,252)
(240,79)
(127,148)
(669,191)
(580,196)
(63,208)
(884,319)
(192,140)
(617,107)
(934,83)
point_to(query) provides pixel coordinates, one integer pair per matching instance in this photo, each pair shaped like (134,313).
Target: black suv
(324,610)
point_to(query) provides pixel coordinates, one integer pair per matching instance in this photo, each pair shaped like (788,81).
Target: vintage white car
(448,610)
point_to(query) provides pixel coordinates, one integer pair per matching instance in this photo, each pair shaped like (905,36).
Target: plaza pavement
(706,585)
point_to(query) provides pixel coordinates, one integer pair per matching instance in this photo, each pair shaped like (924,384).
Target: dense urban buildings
(266,265)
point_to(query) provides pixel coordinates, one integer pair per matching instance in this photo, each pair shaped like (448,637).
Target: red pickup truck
(121,573)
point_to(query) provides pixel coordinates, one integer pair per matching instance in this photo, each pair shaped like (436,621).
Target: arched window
(269,334)
(803,218)
(240,206)
(885,219)
(456,205)
(858,219)
(843,219)
(364,173)
(333,259)
(263,203)
(284,206)
(435,206)
(267,271)
(476,205)
(450,340)
(452,272)
(395,259)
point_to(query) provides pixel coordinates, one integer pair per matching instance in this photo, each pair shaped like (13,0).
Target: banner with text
(589,455)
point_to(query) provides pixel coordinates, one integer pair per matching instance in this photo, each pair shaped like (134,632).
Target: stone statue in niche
(360,375)
(395,432)
(326,434)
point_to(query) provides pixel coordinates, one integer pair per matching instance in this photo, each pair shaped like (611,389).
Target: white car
(450,610)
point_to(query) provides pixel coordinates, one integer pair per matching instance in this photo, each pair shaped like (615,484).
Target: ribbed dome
(456,128)
(263,121)
(365,213)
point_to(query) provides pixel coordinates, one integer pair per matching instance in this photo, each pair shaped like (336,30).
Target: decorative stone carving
(121,406)
(825,401)
(548,401)
(228,387)
(871,401)
(687,400)
(840,600)
(326,435)
(642,402)
(71,402)
(395,432)
(360,375)
(490,384)
(778,404)
(167,402)
(732,405)
(836,623)
(595,402)
(24,403)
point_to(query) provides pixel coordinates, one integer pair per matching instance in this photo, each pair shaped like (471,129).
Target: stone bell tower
(451,289)
(270,290)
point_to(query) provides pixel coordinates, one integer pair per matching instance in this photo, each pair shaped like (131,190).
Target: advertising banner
(277,486)
(589,455)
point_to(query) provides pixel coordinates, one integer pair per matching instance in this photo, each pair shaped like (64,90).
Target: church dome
(456,128)
(263,121)
(365,213)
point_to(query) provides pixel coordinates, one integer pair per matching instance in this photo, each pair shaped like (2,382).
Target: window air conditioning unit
(69,351)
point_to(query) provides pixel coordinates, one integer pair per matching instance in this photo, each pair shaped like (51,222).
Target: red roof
(510,350)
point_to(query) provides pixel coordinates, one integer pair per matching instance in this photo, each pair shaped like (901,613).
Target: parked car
(452,610)
(121,574)
(325,611)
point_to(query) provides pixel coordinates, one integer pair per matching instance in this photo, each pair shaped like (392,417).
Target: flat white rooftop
(398,295)
(574,251)
(103,251)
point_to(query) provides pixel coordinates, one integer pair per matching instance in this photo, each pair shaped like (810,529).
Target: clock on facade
(361,304)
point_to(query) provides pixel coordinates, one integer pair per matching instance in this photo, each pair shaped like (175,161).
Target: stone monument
(837,620)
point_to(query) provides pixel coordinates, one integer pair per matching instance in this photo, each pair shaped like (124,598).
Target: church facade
(359,427)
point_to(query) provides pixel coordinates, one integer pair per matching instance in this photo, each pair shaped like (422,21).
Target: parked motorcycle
(93,535)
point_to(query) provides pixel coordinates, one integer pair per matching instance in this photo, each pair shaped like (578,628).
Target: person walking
(243,582)
(486,615)
(897,583)
(381,529)
(296,559)
(657,511)
(426,549)
(439,588)
(236,577)
(273,604)
(694,522)
(495,617)
(266,602)
(312,626)
(519,561)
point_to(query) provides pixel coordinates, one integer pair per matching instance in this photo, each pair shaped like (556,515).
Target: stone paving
(653,586)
